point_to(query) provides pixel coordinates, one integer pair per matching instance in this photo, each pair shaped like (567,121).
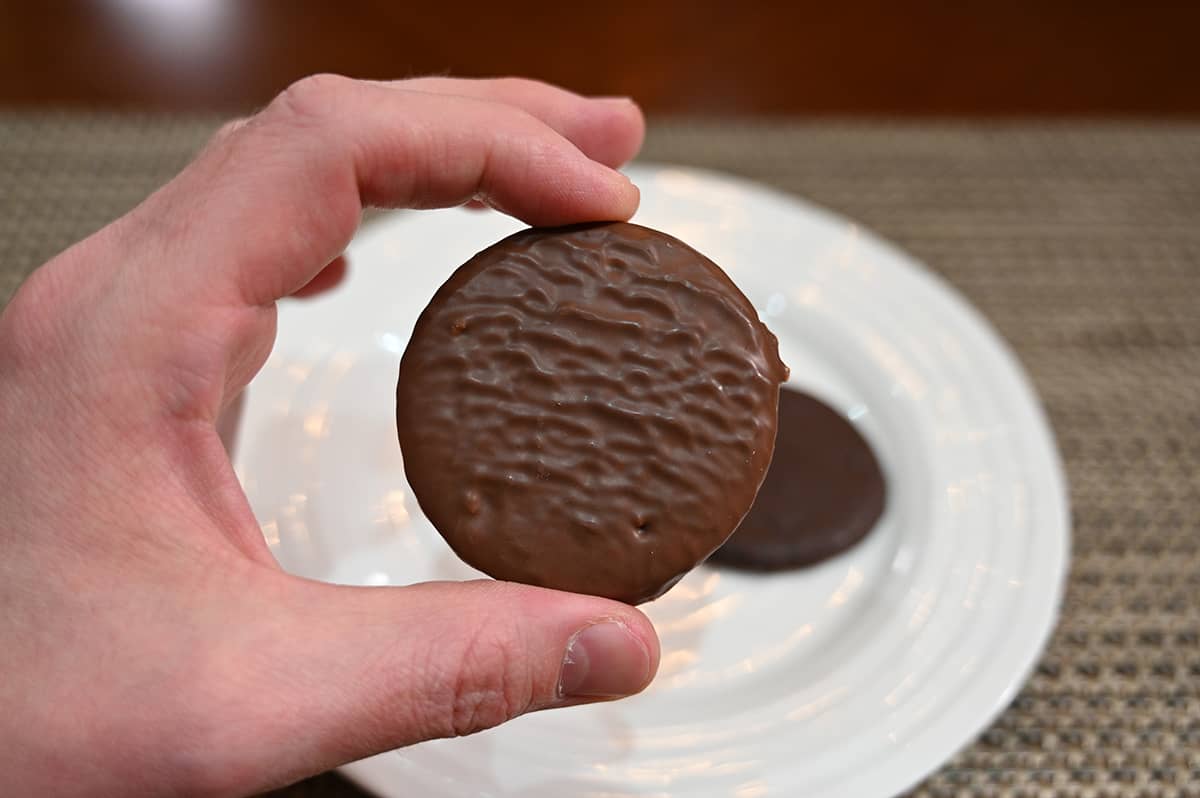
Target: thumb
(332,674)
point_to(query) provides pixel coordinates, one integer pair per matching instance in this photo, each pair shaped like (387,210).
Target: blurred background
(856,57)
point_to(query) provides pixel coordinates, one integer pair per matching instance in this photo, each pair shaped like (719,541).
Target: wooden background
(995,58)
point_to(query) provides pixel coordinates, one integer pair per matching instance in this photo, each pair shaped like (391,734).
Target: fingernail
(604,660)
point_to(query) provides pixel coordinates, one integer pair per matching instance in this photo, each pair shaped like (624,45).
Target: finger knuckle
(229,129)
(222,142)
(313,95)
(29,321)
(492,685)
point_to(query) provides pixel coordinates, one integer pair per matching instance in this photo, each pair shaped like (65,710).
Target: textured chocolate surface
(823,493)
(589,408)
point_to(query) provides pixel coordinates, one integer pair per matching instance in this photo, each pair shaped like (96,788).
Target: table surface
(1081,243)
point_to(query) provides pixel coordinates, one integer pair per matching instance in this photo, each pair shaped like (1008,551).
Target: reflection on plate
(853,678)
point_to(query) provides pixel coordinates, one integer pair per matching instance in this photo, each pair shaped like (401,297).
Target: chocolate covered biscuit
(823,493)
(589,408)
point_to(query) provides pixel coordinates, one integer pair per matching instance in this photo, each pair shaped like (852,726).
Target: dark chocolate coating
(823,493)
(589,408)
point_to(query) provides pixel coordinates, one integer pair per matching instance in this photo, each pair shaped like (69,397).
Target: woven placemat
(1080,242)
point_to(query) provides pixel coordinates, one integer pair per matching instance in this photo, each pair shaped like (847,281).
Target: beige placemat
(1080,242)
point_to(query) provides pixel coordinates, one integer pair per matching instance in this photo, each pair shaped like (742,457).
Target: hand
(150,643)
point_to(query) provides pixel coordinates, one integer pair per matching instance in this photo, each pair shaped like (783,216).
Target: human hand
(151,645)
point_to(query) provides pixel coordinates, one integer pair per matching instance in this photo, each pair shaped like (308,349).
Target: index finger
(274,200)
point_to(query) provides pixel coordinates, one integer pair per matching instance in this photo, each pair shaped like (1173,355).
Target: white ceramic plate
(854,678)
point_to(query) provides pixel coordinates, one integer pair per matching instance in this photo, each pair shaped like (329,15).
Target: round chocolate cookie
(823,492)
(589,408)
